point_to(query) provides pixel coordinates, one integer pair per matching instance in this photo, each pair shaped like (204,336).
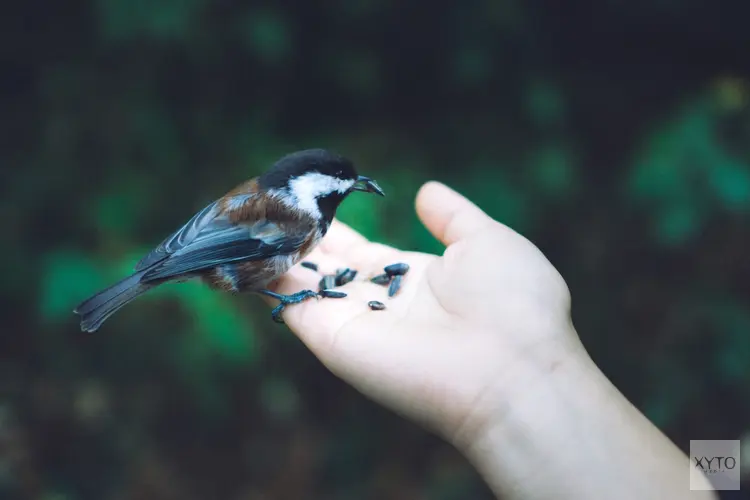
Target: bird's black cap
(302,162)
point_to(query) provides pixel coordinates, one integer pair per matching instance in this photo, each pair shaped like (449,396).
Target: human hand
(479,346)
(447,348)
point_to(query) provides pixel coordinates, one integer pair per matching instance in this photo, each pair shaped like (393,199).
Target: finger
(326,263)
(371,258)
(341,236)
(449,216)
(345,245)
(318,322)
(300,278)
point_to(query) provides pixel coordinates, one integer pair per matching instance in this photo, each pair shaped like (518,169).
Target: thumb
(449,216)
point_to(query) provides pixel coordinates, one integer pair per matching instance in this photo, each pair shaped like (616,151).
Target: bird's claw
(296,298)
(285,300)
(276,314)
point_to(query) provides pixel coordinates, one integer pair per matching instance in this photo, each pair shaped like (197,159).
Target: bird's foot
(285,300)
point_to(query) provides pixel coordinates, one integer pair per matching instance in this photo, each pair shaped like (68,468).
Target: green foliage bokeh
(614,135)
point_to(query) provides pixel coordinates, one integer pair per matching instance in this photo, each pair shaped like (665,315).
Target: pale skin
(478,346)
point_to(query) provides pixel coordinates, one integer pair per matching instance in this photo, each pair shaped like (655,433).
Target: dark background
(614,134)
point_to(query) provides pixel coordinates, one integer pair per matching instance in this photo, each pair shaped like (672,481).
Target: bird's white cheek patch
(309,187)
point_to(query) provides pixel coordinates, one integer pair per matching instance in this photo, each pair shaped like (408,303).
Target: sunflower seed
(381,279)
(344,276)
(328,281)
(396,269)
(309,265)
(395,285)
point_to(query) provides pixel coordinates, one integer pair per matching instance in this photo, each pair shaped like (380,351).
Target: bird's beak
(367,185)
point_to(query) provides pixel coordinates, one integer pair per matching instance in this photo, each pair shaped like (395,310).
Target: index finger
(340,236)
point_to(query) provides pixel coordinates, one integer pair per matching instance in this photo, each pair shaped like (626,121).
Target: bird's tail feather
(95,310)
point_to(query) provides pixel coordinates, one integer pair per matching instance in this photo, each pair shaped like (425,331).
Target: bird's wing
(180,238)
(223,242)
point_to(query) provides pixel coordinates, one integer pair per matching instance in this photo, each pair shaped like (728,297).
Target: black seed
(381,279)
(395,285)
(396,269)
(376,306)
(328,281)
(344,276)
(332,294)
(310,265)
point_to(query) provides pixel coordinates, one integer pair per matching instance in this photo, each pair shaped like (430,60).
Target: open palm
(452,332)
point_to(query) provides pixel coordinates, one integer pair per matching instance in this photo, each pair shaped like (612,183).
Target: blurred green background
(615,135)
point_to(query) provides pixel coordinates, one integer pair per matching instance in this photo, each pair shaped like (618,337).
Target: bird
(246,239)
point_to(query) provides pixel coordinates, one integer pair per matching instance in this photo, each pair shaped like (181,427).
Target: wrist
(527,421)
(528,373)
(566,432)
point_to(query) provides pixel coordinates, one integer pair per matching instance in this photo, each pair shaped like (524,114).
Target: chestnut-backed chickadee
(247,238)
